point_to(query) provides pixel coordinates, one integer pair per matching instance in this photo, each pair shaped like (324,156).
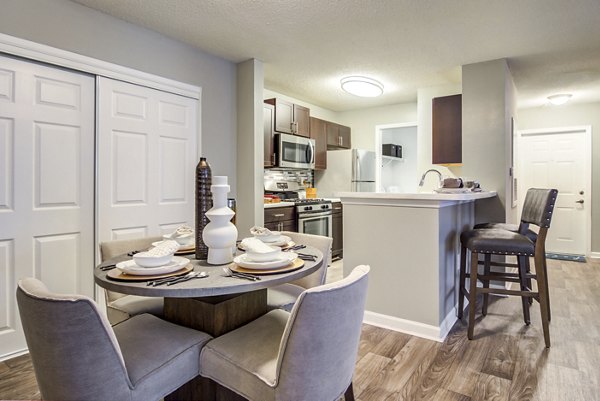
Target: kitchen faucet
(427,172)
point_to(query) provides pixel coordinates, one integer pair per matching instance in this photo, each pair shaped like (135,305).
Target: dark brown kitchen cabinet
(447,130)
(319,134)
(338,136)
(291,118)
(269,134)
(281,219)
(337,248)
(345,137)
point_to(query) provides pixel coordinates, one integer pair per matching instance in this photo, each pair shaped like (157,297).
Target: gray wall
(487,104)
(250,146)
(572,115)
(73,27)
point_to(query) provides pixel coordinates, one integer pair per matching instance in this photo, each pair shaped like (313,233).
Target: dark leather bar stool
(537,210)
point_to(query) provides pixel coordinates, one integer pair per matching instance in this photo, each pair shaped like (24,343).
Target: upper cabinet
(269,132)
(319,134)
(291,118)
(338,136)
(447,130)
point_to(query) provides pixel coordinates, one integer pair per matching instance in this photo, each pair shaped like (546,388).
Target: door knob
(579,201)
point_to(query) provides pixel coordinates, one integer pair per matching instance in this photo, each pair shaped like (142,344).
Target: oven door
(296,152)
(316,224)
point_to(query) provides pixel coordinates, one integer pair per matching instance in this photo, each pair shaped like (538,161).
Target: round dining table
(215,305)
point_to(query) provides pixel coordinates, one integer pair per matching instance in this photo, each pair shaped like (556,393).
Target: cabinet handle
(337,208)
(279,215)
(273,159)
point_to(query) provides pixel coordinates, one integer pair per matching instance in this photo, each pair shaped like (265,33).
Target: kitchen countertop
(418,195)
(279,204)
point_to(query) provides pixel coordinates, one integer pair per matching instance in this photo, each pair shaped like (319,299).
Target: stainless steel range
(314,216)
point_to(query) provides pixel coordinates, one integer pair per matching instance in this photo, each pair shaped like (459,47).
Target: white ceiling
(552,45)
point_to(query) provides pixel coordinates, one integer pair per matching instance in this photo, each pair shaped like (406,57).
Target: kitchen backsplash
(300,176)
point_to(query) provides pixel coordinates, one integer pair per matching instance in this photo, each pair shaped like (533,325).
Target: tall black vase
(203,205)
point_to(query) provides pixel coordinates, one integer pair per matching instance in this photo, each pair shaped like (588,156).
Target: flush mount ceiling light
(559,99)
(362,86)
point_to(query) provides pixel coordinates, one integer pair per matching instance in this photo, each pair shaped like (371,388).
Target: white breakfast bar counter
(412,243)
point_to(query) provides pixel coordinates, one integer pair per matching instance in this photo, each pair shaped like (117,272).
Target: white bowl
(264,256)
(145,260)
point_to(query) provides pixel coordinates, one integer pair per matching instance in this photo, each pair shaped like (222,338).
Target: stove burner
(310,201)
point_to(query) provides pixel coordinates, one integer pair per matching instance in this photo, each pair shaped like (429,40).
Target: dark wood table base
(215,316)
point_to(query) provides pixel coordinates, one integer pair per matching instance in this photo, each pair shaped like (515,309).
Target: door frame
(587,166)
(378,142)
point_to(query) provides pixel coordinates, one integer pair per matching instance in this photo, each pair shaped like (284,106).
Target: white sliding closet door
(46,185)
(146,160)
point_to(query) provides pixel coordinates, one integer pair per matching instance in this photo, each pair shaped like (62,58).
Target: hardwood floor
(506,361)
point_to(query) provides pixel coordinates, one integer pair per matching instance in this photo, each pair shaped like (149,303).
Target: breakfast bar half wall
(412,242)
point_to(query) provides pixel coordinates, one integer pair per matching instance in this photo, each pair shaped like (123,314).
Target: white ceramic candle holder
(220,234)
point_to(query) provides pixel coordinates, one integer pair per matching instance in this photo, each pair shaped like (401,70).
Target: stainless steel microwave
(295,151)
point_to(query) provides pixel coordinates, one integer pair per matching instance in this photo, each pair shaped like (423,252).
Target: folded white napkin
(260,231)
(183,231)
(254,245)
(162,249)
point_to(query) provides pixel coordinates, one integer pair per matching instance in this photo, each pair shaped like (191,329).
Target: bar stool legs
(522,266)
(472,293)
(463,280)
(526,292)
(540,270)
(486,282)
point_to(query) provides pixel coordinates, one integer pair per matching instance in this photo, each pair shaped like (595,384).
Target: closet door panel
(146,160)
(46,185)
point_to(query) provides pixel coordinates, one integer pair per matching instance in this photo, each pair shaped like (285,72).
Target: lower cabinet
(281,219)
(337,248)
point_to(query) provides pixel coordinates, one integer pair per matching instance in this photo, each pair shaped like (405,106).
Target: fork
(230,273)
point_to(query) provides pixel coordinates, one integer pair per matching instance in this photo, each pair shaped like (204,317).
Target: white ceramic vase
(220,234)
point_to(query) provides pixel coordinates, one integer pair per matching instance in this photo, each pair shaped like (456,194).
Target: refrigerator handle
(357,177)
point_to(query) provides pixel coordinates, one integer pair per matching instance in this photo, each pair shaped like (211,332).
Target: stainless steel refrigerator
(350,170)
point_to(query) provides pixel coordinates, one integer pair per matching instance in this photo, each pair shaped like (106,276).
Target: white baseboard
(594,255)
(13,355)
(411,327)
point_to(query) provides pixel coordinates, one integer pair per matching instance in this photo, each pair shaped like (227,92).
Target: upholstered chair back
(72,346)
(110,249)
(318,350)
(538,207)
(323,244)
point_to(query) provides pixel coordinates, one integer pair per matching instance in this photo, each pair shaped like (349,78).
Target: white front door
(46,185)
(146,160)
(560,158)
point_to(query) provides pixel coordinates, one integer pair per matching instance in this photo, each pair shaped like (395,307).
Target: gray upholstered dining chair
(77,355)
(306,355)
(285,295)
(121,307)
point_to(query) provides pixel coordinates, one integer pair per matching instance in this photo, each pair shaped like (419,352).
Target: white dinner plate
(130,267)
(182,248)
(283,240)
(284,259)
